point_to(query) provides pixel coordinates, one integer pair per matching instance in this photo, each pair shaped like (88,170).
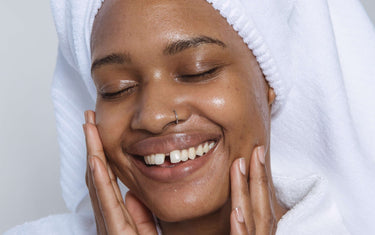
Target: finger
(240,192)
(237,222)
(142,216)
(93,142)
(115,186)
(260,193)
(99,220)
(114,218)
(118,194)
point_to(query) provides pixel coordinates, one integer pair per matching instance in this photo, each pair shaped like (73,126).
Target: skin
(150,81)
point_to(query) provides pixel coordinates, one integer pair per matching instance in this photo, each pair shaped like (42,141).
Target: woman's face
(153,57)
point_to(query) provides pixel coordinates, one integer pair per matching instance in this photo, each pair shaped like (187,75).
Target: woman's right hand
(255,208)
(112,215)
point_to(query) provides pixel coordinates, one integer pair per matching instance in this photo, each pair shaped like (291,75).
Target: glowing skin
(229,103)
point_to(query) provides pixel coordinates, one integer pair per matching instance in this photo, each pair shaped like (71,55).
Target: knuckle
(265,218)
(259,179)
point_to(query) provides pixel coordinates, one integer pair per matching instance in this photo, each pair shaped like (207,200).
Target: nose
(160,104)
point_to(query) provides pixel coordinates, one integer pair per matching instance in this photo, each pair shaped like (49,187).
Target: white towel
(313,212)
(319,56)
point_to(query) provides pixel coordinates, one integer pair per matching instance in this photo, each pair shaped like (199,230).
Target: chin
(188,203)
(184,190)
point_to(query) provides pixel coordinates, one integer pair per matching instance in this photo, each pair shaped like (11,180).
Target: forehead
(123,22)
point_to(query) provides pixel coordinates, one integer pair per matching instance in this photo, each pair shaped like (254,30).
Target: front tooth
(184,155)
(175,156)
(159,158)
(152,159)
(205,148)
(199,150)
(192,153)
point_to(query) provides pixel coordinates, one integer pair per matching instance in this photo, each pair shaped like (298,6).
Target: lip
(175,172)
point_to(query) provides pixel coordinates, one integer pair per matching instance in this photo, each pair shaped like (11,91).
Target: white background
(29,166)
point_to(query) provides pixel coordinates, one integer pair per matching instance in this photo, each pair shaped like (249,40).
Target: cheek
(237,105)
(112,121)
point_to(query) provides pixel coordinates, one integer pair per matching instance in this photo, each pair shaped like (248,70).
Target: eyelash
(113,95)
(117,94)
(206,74)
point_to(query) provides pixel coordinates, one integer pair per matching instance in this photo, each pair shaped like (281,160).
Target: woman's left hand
(255,209)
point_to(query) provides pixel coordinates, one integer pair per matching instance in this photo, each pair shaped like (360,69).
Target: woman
(178,91)
(178,76)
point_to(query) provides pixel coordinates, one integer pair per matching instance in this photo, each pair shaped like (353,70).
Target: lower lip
(176,172)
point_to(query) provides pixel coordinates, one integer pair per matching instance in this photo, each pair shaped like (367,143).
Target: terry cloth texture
(319,56)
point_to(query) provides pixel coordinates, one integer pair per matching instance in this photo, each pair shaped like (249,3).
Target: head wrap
(317,55)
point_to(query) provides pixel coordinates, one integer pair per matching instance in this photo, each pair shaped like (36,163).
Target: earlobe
(271,96)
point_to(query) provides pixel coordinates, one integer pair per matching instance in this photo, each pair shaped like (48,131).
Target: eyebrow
(171,49)
(114,58)
(183,44)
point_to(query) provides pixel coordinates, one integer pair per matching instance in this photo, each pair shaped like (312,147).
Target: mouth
(174,157)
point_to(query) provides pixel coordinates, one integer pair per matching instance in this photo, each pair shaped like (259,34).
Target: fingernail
(239,215)
(90,117)
(86,116)
(91,163)
(261,154)
(242,166)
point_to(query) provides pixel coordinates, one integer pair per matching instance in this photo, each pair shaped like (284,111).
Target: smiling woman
(143,76)
(196,101)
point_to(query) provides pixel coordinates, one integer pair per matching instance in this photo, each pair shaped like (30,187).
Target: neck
(215,223)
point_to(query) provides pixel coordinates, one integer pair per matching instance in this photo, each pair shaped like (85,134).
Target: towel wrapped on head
(319,58)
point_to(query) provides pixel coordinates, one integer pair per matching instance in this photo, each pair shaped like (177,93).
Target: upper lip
(168,143)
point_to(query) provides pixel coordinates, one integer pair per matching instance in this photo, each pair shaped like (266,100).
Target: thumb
(142,216)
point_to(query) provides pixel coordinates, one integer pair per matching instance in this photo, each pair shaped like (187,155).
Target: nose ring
(176,116)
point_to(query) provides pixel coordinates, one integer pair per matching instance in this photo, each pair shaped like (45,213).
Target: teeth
(159,158)
(177,156)
(184,155)
(205,148)
(192,153)
(199,151)
(148,159)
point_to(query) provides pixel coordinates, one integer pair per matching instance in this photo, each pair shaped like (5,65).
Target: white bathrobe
(318,55)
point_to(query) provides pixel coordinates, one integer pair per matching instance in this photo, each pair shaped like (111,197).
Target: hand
(112,216)
(255,209)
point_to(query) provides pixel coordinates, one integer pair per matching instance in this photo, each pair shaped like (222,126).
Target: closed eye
(120,93)
(208,74)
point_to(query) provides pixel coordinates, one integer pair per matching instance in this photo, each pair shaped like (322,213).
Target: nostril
(152,121)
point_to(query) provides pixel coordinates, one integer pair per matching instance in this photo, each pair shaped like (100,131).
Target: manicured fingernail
(242,166)
(261,154)
(239,215)
(91,163)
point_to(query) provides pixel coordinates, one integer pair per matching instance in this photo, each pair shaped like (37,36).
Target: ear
(271,96)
